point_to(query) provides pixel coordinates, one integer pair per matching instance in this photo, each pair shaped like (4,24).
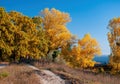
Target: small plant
(3,74)
(101,70)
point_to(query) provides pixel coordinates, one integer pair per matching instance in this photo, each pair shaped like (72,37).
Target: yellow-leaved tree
(114,41)
(54,22)
(21,37)
(82,54)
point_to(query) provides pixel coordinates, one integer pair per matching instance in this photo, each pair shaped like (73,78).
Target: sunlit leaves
(54,22)
(82,54)
(21,36)
(114,41)
(6,35)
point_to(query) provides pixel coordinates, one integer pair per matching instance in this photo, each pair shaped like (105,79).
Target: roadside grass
(18,74)
(79,76)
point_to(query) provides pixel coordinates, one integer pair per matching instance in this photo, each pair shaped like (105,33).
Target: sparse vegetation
(79,76)
(18,74)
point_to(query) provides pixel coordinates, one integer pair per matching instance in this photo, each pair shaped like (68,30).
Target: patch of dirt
(47,77)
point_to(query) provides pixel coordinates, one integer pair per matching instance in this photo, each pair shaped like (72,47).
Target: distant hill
(104,59)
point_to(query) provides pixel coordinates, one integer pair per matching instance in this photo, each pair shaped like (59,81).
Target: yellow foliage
(54,22)
(21,36)
(114,41)
(82,54)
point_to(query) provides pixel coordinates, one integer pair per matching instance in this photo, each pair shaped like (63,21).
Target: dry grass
(18,74)
(77,76)
(21,74)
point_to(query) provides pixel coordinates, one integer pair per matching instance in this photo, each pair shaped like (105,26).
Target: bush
(3,74)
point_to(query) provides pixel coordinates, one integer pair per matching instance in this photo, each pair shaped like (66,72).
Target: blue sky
(88,16)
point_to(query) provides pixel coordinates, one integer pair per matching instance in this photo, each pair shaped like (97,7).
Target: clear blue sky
(88,16)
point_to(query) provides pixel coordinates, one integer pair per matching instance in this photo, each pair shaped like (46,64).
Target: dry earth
(47,77)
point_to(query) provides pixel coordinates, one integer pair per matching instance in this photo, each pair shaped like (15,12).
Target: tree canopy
(21,36)
(54,22)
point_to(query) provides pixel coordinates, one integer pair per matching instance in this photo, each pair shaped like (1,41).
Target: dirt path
(47,77)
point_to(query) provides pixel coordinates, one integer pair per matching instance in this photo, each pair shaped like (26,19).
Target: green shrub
(3,74)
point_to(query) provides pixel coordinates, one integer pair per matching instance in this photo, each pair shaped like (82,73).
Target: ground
(52,73)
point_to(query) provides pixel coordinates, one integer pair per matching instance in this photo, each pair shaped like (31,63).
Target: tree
(114,41)
(54,22)
(21,36)
(81,55)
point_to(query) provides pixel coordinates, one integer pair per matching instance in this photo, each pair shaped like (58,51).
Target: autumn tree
(82,54)
(21,36)
(54,23)
(114,41)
